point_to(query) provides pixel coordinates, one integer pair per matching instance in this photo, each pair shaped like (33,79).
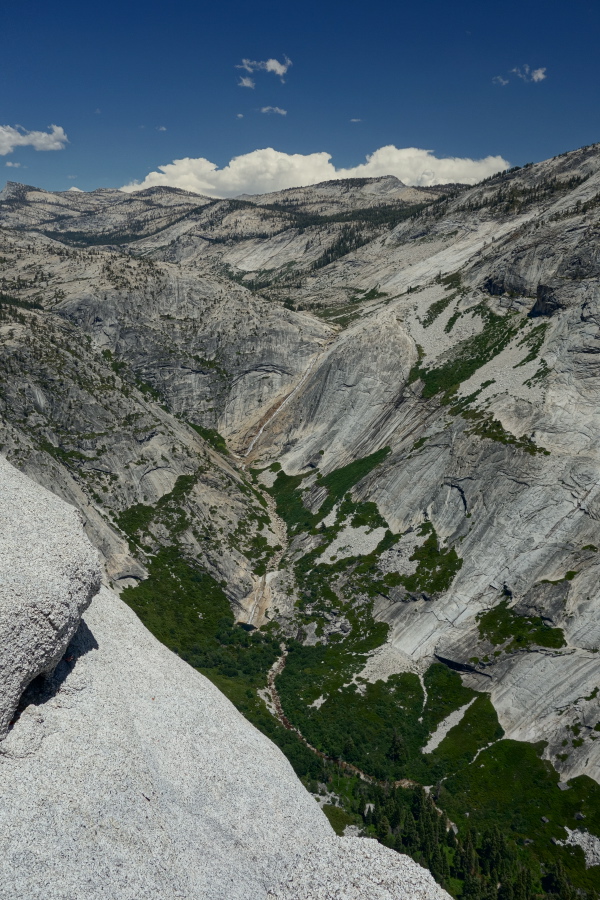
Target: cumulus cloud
(11,138)
(160,128)
(266,65)
(246,82)
(526,73)
(270,170)
(274,109)
(356,120)
(13,165)
(500,80)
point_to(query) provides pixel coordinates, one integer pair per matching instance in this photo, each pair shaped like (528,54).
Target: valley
(354,428)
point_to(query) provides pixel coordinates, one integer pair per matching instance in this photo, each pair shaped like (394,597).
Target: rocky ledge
(49,573)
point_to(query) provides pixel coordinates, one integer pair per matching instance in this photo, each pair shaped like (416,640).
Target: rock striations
(128,775)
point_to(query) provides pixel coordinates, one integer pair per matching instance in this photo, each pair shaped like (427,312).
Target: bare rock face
(49,573)
(128,774)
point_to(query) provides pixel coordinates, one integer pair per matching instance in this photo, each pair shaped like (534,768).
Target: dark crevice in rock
(460,667)
(47,685)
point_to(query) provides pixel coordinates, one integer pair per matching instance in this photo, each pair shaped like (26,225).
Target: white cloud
(160,128)
(356,120)
(274,109)
(498,79)
(13,165)
(270,170)
(525,73)
(10,138)
(267,65)
(240,116)
(246,82)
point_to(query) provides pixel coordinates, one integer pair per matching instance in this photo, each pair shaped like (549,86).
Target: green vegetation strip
(502,627)
(468,356)
(337,483)
(437,565)
(211,436)
(436,309)
(136,520)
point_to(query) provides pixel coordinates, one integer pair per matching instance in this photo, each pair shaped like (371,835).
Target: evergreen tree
(489,891)
(557,884)
(383,828)
(491,851)
(506,891)
(397,751)
(396,816)
(409,834)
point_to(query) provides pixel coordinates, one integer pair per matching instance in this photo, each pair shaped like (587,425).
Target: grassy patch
(501,626)
(478,727)
(436,568)
(212,437)
(68,457)
(534,341)
(451,282)
(374,294)
(445,693)
(542,372)
(340,481)
(452,321)
(339,818)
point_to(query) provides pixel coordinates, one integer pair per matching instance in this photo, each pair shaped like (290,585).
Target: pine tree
(397,751)
(409,834)
(506,891)
(491,851)
(396,817)
(472,887)
(557,883)
(383,828)
(489,891)
(523,888)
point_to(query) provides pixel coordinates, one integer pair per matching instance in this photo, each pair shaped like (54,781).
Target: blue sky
(135,86)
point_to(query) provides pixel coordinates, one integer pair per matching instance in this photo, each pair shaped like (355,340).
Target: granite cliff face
(407,384)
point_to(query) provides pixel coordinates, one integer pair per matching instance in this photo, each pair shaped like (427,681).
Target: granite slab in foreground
(127,775)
